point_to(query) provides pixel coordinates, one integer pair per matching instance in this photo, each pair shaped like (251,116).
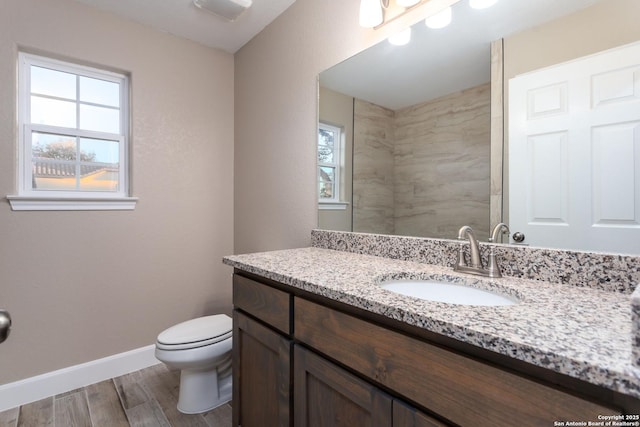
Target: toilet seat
(195,333)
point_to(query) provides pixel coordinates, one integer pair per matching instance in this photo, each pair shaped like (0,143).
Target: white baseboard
(63,380)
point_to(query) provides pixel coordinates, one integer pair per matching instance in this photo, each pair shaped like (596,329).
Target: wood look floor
(142,398)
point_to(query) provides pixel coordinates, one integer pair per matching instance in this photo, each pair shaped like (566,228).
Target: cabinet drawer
(463,390)
(268,304)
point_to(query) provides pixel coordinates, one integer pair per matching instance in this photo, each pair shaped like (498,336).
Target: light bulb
(482,4)
(370,13)
(401,38)
(439,20)
(407,3)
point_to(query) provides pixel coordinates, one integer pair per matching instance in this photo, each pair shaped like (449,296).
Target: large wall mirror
(414,139)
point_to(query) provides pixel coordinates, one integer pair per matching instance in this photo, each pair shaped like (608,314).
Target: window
(329,156)
(73,137)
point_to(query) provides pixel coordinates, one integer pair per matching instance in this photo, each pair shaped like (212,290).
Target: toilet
(201,349)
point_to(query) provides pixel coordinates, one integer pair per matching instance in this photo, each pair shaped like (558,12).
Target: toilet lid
(197,332)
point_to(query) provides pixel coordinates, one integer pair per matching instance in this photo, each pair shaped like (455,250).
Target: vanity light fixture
(371,13)
(228,10)
(440,19)
(407,3)
(481,4)
(402,38)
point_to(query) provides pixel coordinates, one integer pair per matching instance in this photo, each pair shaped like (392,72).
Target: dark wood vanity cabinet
(317,363)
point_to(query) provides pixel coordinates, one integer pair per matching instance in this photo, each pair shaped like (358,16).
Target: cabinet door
(406,416)
(261,375)
(328,396)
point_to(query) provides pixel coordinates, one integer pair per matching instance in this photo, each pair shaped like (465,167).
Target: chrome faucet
(475,265)
(494,268)
(474,252)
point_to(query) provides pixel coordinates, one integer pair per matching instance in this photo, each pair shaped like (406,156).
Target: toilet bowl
(201,349)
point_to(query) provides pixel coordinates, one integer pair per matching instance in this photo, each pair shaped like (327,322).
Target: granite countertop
(581,332)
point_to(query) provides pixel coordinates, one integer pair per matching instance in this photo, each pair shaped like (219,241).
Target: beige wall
(337,109)
(84,285)
(605,25)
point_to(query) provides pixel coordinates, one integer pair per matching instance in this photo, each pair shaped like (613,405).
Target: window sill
(332,206)
(29,203)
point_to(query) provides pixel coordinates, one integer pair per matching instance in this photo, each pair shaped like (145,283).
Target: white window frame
(335,201)
(30,199)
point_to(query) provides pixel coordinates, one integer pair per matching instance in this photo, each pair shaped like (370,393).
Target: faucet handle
(461,258)
(493,268)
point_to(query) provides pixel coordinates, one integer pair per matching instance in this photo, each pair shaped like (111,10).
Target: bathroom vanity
(318,342)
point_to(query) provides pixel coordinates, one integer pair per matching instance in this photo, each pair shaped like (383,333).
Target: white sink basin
(443,291)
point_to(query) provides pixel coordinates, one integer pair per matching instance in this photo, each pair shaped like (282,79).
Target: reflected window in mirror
(329,162)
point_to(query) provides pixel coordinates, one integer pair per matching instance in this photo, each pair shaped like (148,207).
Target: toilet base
(203,390)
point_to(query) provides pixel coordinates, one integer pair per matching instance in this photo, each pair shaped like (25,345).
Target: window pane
(45,111)
(99,119)
(51,146)
(53,83)
(327,189)
(99,165)
(99,150)
(326,144)
(53,161)
(99,91)
(326,182)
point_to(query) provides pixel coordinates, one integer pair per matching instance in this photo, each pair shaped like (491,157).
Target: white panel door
(574,153)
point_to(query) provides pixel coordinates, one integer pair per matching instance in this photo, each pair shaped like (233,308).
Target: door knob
(518,237)
(5,325)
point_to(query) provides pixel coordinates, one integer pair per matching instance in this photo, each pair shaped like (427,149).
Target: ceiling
(182,18)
